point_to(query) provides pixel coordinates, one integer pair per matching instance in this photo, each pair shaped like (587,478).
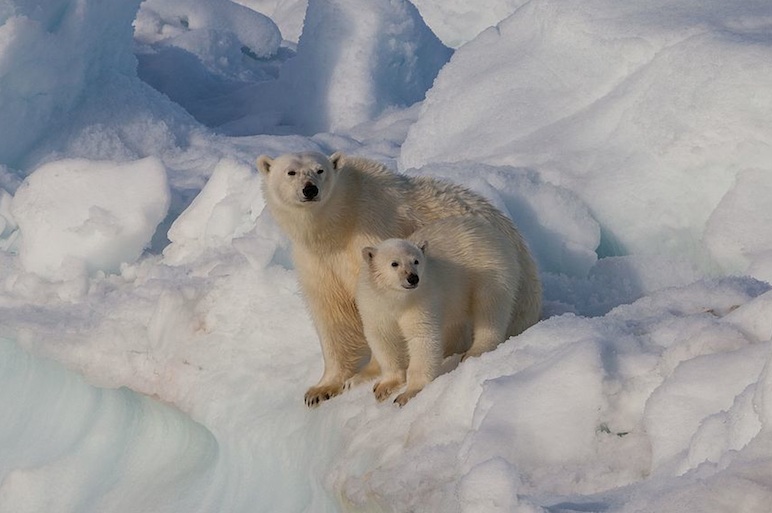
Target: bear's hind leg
(490,322)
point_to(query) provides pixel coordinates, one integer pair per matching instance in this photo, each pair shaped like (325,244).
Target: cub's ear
(423,245)
(336,159)
(368,253)
(264,163)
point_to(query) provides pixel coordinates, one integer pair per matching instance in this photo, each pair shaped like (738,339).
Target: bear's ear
(423,245)
(368,253)
(264,163)
(336,159)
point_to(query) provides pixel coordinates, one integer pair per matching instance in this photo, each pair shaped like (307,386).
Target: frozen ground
(154,348)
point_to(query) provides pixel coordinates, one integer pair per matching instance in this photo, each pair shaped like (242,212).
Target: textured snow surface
(154,343)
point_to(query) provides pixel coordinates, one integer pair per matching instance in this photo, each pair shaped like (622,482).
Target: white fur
(360,203)
(461,298)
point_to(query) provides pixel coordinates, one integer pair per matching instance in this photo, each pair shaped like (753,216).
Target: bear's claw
(384,388)
(405,396)
(316,395)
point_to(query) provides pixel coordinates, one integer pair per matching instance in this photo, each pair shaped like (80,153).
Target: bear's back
(467,244)
(378,198)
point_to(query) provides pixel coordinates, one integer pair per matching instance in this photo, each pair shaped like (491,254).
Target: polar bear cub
(450,288)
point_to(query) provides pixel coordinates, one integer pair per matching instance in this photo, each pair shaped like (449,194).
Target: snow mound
(221,23)
(78,215)
(580,407)
(625,111)
(67,48)
(733,230)
(194,51)
(457,22)
(354,60)
(287,14)
(225,209)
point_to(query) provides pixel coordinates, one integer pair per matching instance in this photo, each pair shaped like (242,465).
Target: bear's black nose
(412,279)
(310,191)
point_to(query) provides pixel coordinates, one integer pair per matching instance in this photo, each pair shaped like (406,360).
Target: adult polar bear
(331,208)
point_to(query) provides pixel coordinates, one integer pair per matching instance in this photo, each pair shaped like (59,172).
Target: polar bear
(450,288)
(330,208)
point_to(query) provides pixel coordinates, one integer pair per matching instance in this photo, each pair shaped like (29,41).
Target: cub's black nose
(310,191)
(412,279)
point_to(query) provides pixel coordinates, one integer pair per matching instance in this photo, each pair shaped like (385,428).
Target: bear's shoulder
(367,170)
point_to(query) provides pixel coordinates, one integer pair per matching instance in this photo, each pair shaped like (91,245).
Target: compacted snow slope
(154,346)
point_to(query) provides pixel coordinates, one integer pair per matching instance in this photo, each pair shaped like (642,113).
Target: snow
(94,437)
(287,14)
(154,345)
(49,63)
(85,214)
(346,73)
(225,209)
(222,46)
(633,107)
(185,25)
(457,22)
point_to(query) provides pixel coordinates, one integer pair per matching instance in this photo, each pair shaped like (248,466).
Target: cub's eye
(416,262)
(319,171)
(394,264)
(291,173)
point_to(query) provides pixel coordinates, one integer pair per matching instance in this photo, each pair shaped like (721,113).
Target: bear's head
(396,264)
(301,180)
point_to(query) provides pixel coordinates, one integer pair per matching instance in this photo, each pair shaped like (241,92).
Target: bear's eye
(415,262)
(319,171)
(291,173)
(394,264)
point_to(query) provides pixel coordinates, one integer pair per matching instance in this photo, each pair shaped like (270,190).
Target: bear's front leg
(339,367)
(424,343)
(388,348)
(343,344)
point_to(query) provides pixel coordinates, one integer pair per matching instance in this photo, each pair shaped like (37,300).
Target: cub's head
(395,264)
(302,180)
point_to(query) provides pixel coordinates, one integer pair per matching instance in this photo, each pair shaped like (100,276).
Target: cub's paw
(318,394)
(384,388)
(405,396)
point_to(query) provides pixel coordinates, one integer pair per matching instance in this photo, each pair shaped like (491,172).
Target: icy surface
(154,344)
(75,440)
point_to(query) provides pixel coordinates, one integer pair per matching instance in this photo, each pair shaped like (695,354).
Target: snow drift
(49,64)
(628,105)
(77,216)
